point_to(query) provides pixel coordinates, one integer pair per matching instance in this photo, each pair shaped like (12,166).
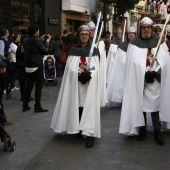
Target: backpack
(63,56)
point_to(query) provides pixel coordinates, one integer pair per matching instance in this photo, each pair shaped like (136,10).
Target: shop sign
(53,21)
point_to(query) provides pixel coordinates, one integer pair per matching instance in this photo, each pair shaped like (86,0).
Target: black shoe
(21,100)
(8,96)
(79,135)
(40,109)
(26,108)
(89,142)
(142,133)
(31,99)
(158,137)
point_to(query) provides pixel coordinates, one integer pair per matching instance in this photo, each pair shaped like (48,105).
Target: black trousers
(155,119)
(2,114)
(31,78)
(9,85)
(22,79)
(80,112)
(22,83)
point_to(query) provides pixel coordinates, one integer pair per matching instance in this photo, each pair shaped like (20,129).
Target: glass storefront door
(38,14)
(17,15)
(20,16)
(3,14)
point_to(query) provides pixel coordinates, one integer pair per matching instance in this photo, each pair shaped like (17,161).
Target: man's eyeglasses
(84,35)
(146,27)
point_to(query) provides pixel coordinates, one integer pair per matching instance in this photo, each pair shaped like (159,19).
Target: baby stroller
(49,74)
(8,144)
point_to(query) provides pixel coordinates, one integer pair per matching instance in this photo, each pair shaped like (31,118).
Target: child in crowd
(10,71)
(49,68)
(3,117)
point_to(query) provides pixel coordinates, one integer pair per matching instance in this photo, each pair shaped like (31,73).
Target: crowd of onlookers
(11,49)
(13,65)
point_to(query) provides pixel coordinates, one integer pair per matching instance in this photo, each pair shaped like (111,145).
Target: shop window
(20,16)
(3,14)
(37,6)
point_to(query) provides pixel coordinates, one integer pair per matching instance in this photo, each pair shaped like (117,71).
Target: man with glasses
(146,88)
(78,106)
(4,44)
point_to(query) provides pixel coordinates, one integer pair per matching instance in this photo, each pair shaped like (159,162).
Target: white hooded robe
(73,95)
(103,92)
(110,60)
(116,80)
(133,96)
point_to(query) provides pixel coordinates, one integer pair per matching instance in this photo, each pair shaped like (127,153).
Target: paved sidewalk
(39,148)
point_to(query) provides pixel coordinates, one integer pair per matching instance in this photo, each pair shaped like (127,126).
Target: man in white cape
(78,105)
(116,80)
(138,97)
(102,50)
(112,52)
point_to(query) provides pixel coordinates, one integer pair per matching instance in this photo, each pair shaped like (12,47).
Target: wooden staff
(124,31)
(159,42)
(101,28)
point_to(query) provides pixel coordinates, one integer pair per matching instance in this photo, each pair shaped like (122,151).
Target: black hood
(78,50)
(124,45)
(116,41)
(145,43)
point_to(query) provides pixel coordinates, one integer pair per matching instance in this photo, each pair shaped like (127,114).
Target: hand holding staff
(159,42)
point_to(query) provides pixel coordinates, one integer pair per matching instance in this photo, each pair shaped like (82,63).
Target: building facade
(76,13)
(17,15)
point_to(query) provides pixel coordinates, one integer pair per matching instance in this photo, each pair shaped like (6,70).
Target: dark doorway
(77,24)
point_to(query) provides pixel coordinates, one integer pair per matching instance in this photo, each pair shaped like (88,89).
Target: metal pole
(115,15)
(104,15)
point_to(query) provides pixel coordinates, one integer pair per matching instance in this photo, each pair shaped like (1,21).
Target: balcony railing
(149,8)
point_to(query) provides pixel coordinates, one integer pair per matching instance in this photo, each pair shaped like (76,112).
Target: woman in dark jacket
(67,45)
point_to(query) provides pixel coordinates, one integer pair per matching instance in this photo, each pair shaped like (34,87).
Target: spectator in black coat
(34,51)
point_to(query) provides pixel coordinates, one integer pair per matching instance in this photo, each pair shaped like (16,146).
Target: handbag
(63,56)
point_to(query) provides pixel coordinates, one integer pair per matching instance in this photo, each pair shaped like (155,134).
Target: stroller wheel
(13,146)
(55,82)
(6,146)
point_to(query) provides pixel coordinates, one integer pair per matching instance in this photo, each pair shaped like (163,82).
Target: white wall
(91,4)
(142,3)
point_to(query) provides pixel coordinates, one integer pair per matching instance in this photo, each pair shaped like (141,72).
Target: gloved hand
(84,77)
(149,76)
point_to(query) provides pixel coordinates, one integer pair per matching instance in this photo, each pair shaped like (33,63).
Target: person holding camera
(34,50)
